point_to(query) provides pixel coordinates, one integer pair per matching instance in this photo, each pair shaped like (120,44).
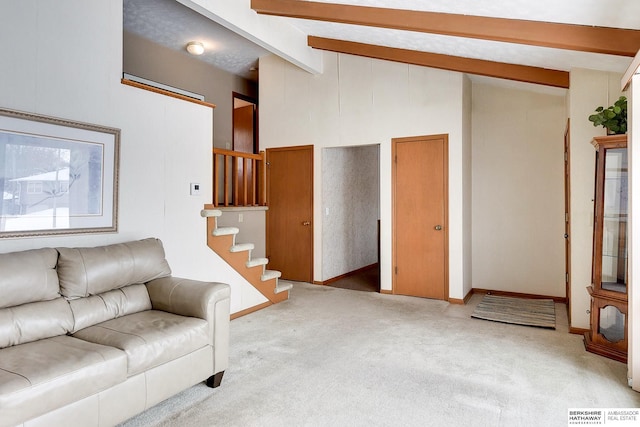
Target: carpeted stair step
(225,231)
(239,247)
(257,261)
(208,213)
(222,240)
(282,287)
(270,274)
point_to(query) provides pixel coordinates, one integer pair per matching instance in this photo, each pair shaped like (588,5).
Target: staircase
(222,240)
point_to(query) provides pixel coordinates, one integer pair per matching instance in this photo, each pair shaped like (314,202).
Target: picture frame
(57,176)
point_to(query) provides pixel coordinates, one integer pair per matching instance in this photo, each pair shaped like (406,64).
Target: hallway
(367,280)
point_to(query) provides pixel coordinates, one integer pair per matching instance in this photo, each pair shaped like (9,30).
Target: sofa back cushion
(91,271)
(96,309)
(28,276)
(34,321)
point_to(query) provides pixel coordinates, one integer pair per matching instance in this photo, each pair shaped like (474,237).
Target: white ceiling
(171,24)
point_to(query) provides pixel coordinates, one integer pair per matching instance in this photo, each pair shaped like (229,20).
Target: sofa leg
(214,380)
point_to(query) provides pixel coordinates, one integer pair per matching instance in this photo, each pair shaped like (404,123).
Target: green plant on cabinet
(612,118)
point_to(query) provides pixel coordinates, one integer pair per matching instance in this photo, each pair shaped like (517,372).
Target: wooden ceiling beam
(613,41)
(481,67)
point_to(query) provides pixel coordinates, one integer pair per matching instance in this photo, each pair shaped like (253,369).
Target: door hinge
(566,277)
(396,269)
(566,217)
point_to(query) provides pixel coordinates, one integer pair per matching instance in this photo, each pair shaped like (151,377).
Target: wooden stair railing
(243,177)
(222,240)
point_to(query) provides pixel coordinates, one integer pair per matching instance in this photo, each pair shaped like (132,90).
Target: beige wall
(518,193)
(589,89)
(361,101)
(467,185)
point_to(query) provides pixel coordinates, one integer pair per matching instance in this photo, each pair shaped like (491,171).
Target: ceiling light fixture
(195,48)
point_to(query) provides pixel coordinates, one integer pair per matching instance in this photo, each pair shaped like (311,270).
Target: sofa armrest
(204,300)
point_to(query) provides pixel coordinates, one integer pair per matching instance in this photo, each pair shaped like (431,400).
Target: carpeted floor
(333,357)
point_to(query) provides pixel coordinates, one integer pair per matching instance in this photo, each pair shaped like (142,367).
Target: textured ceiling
(171,24)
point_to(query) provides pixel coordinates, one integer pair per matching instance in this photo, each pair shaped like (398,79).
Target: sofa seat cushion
(40,376)
(149,338)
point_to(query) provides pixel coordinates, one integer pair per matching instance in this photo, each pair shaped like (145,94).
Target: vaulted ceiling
(523,40)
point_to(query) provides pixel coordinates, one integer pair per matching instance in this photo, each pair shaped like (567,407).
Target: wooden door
(244,141)
(290,213)
(420,216)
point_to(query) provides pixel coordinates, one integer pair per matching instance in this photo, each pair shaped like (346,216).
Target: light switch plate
(195,189)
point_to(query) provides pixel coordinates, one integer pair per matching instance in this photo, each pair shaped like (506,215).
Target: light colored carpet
(334,357)
(517,311)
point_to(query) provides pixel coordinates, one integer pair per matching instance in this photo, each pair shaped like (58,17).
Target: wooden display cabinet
(609,286)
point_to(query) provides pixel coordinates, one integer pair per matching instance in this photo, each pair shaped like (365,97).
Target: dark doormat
(518,311)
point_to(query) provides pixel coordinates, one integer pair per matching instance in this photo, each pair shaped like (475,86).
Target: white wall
(72,70)
(149,60)
(350,196)
(518,193)
(588,90)
(361,101)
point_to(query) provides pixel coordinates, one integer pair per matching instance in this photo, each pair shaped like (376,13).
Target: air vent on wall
(131,77)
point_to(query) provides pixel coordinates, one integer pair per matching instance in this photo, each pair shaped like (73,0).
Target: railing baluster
(226,182)
(263,179)
(253,178)
(245,174)
(216,180)
(254,171)
(234,179)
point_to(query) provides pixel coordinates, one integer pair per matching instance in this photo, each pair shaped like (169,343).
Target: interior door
(420,216)
(290,213)
(244,140)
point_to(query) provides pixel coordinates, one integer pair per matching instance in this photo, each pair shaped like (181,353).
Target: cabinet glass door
(614,232)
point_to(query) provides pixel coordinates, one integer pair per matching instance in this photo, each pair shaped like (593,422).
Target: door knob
(306,223)
(438,227)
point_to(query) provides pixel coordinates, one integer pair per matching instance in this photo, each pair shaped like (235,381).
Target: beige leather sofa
(93,336)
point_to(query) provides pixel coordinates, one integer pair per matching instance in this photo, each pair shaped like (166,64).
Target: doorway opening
(245,124)
(350,217)
(245,140)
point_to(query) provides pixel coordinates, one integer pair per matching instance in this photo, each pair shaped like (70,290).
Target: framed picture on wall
(56,176)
